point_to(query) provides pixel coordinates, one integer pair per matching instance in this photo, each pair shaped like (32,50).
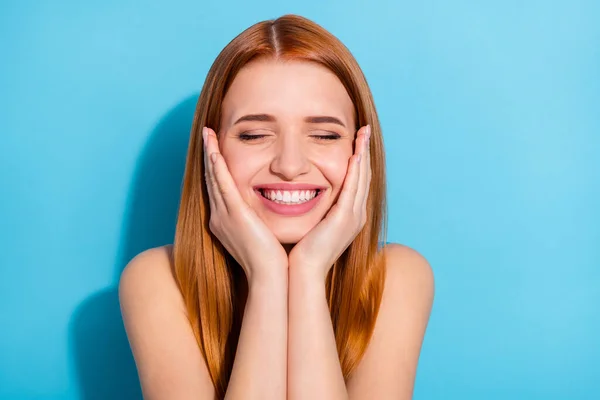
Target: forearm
(259,369)
(314,370)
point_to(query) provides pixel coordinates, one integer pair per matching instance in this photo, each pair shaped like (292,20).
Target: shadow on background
(99,348)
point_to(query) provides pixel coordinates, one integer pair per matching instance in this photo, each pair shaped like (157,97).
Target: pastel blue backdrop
(491,119)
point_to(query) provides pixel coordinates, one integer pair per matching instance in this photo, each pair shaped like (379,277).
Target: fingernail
(359,157)
(213,157)
(368,131)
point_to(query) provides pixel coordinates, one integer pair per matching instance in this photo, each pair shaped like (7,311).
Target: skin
(287,149)
(286,347)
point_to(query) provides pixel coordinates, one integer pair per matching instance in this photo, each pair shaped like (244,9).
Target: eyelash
(247,138)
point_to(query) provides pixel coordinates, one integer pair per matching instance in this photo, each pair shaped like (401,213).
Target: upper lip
(289,186)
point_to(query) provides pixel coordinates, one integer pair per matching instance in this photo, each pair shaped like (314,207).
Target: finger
(225,187)
(350,186)
(362,179)
(207,174)
(212,147)
(369,172)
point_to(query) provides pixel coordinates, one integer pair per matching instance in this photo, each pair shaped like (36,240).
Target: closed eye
(247,137)
(327,137)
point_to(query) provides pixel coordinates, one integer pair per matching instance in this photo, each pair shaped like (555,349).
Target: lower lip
(290,209)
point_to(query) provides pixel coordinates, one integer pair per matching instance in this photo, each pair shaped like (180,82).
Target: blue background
(491,118)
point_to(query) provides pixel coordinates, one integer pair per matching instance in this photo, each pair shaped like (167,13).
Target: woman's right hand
(234,223)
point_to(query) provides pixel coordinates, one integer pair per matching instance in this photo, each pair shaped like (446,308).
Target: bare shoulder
(168,360)
(150,270)
(388,367)
(408,295)
(409,270)
(150,274)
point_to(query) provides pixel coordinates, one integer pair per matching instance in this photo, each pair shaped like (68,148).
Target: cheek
(334,168)
(236,168)
(242,166)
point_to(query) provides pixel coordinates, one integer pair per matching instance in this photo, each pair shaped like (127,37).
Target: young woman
(277,284)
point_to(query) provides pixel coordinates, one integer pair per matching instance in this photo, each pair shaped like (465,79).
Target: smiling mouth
(289,197)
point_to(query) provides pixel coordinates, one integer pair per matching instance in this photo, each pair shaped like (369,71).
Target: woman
(276,285)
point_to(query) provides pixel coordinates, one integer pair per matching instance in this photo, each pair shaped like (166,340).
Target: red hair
(213,285)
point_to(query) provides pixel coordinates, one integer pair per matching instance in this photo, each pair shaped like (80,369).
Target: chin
(290,234)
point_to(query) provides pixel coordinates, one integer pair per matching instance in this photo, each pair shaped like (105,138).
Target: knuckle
(214,180)
(210,179)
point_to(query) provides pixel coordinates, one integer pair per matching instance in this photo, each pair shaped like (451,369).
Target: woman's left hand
(316,252)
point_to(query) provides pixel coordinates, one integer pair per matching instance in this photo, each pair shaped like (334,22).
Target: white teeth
(289,196)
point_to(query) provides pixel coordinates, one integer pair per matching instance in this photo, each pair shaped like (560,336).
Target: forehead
(288,90)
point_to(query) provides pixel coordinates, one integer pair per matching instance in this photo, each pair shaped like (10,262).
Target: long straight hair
(211,282)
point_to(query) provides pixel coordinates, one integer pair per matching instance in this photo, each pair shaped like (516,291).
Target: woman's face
(287,132)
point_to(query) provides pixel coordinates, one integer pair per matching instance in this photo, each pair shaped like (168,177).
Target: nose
(290,160)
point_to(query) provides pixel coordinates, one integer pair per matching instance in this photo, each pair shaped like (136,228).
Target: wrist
(272,278)
(306,276)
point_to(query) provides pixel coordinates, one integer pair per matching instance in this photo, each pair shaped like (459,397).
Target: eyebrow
(319,119)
